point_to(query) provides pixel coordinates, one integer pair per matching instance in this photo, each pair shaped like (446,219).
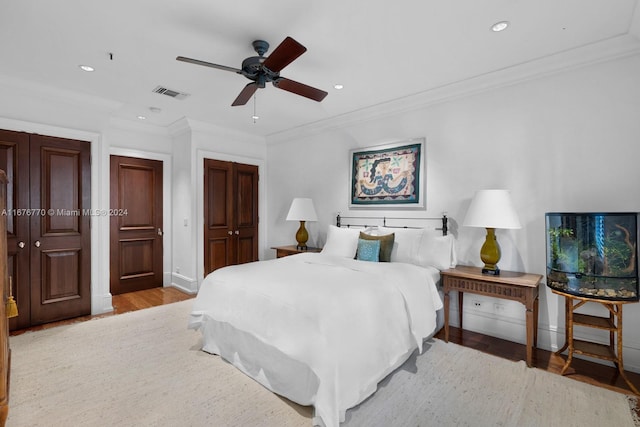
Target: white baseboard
(101,303)
(185,284)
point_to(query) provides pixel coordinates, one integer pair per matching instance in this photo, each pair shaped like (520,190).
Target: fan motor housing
(252,69)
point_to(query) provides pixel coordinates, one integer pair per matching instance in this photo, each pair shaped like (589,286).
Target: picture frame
(388,176)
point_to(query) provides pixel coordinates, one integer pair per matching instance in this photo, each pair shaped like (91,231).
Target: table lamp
(302,210)
(491,209)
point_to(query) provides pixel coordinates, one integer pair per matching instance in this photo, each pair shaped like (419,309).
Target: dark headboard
(390,222)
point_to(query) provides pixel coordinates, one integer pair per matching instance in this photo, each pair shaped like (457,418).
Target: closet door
(48,226)
(14,160)
(246,212)
(231,214)
(219,246)
(5,352)
(60,172)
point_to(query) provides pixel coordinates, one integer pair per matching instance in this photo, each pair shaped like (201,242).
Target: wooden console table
(511,285)
(611,352)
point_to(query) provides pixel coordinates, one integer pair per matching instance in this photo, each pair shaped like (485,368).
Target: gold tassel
(12,307)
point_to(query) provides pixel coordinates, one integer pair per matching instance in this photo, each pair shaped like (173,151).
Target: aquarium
(593,255)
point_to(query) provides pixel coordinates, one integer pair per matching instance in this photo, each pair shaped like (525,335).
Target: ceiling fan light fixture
(499,26)
(87,68)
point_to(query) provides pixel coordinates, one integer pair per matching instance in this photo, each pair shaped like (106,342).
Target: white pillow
(422,247)
(341,242)
(437,250)
(406,244)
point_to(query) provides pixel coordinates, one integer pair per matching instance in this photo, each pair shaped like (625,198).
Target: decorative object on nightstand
(491,209)
(302,210)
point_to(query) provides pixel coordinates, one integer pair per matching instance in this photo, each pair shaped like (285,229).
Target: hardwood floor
(123,303)
(582,370)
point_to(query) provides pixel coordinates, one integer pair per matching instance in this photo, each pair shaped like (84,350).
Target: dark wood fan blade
(246,94)
(300,89)
(208,64)
(284,54)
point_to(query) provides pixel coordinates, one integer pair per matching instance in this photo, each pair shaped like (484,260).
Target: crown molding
(54,94)
(186,125)
(47,129)
(210,128)
(131,125)
(603,51)
(179,127)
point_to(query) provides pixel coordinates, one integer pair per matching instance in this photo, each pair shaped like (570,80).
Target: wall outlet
(499,308)
(177,270)
(477,304)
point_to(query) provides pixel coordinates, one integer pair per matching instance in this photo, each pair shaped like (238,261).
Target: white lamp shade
(302,210)
(492,209)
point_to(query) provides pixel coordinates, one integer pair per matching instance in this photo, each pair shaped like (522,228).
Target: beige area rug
(145,369)
(451,385)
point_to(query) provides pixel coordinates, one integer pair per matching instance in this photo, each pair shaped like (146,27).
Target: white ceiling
(379,50)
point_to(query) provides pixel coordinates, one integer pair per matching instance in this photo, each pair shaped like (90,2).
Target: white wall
(565,142)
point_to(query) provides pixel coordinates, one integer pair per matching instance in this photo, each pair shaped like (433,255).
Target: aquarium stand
(611,352)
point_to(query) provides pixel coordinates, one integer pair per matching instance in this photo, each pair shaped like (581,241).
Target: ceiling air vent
(169,92)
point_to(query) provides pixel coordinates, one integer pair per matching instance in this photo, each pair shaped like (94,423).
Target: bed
(323,329)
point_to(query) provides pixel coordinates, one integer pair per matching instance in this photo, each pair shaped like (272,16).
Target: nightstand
(511,285)
(283,251)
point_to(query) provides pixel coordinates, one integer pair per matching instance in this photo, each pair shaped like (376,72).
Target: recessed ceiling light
(142,118)
(86,68)
(338,86)
(155,109)
(500,26)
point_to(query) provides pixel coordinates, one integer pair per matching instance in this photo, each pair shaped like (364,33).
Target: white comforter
(349,322)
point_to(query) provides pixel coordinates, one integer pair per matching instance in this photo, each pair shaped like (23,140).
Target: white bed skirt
(293,380)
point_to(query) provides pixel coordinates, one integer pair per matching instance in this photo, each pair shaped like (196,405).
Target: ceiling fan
(263,69)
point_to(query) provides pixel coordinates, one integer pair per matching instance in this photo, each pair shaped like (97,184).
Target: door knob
(159,231)
(21,245)
(229,232)
(37,243)
(237,232)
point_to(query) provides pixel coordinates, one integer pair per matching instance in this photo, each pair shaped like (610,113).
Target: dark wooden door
(60,189)
(246,212)
(48,226)
(14,160)
(231,214)
(136,224)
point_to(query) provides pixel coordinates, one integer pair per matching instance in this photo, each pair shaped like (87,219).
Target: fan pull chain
(255,115)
